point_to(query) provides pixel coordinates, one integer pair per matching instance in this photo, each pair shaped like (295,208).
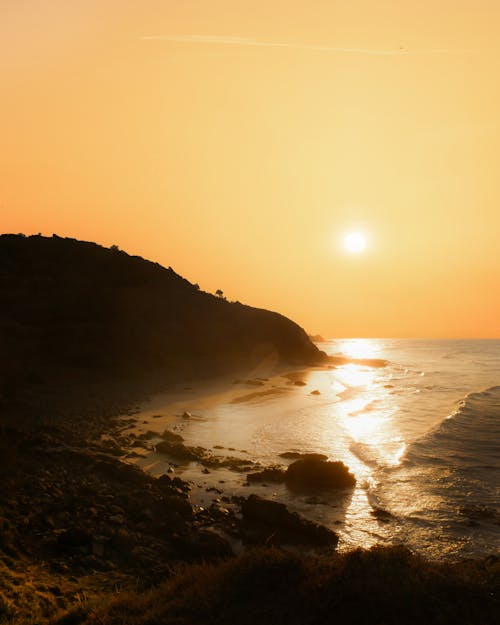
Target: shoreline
(211,481)
(87,552)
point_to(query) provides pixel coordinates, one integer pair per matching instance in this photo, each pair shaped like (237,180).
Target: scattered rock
(271,474)
(171,437)
(293,455)
(175,505)
(384,516)
(180,451)
(231,462)
(146,436)
(134,454)
(111,447)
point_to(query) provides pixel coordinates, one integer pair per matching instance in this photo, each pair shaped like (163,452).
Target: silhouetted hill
(67,304)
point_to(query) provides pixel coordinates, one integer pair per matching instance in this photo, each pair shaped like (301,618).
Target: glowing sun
(355,242)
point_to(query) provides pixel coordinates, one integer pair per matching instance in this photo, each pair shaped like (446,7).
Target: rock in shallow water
(311,474)
(294,455)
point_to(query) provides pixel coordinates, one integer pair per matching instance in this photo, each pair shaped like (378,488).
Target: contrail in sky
(248,42)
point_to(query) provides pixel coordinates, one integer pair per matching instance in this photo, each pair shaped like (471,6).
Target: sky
(240,141)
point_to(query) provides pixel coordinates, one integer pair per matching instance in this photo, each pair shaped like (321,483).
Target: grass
(382,586)
(33,594)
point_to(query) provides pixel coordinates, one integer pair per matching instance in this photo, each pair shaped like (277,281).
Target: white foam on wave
(471,433)
(365,453)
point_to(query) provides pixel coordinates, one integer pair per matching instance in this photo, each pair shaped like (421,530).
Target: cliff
(74,305)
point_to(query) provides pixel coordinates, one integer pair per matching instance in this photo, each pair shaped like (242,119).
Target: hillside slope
(74,305)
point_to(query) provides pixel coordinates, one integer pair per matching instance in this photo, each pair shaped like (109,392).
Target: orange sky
(237,141)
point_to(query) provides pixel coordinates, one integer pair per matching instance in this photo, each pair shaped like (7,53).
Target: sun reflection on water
(362,427)
(367,411)
(359,348)
(354,375)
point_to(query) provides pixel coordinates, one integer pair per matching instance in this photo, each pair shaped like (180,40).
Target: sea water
(421,434)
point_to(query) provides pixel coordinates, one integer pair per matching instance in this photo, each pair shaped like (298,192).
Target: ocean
(421,434)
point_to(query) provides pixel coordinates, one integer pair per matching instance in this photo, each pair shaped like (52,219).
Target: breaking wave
(469,437)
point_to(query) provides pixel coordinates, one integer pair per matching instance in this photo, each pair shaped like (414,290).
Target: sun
(355,242)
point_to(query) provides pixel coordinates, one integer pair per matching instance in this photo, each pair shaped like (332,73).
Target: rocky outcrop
(269,522)
(312,474)
(81,510)
(173,445)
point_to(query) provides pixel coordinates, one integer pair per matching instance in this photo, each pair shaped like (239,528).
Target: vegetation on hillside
(386,586)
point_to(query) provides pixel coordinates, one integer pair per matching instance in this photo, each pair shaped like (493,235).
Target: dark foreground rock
(79,509)
(269,522)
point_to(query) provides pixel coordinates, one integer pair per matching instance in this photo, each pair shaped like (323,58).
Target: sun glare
(355,242)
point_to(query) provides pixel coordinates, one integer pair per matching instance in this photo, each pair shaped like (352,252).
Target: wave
(470,436)
(369,407)
(365,453)
(349,392)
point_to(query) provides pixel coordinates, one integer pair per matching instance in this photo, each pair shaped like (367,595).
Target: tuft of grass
(381,586)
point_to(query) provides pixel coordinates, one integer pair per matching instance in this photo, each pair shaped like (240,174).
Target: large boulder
(270,522)
(311,474)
